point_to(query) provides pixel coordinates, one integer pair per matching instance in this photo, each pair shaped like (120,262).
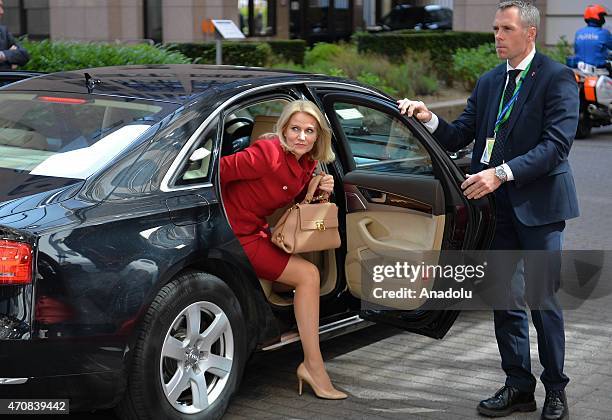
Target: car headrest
(263,124)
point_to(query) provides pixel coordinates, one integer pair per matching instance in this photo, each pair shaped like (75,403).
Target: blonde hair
(321,150)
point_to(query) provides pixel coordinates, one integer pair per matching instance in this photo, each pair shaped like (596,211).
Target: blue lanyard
(504,113)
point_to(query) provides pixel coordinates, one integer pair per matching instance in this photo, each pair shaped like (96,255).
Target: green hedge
(471,63)
(441,45)
(289,50)
(52,56)
(245,53)
(236,53)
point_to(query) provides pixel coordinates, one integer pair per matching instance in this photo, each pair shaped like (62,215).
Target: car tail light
(15,263)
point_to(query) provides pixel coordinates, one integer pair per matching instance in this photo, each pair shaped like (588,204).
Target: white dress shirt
(432,124)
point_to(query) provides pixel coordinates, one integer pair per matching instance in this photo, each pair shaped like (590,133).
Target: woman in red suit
(270,174)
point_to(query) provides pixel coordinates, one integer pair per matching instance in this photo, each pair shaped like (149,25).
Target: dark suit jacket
(19,56)
(541,130)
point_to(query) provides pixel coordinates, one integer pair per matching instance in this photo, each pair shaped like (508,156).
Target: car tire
(197,323)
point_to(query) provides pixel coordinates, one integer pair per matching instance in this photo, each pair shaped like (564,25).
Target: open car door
(403,197)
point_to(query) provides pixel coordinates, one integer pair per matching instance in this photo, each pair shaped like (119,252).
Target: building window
(153,20)
(13,18)
(37,18)
(27,17)
(257,17)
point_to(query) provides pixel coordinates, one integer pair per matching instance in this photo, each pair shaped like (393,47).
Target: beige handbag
(306,227)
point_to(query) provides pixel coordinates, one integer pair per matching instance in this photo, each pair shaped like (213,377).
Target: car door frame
(477,221)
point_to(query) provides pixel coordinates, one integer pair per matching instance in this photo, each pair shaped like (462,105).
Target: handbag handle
(312,187)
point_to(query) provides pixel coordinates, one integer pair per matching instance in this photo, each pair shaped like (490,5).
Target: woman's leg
(304,277)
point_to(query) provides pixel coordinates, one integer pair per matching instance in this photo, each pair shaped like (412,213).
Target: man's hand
(416,108)
(480,184)
(3,57)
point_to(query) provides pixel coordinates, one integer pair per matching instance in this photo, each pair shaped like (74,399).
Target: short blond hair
(321,150)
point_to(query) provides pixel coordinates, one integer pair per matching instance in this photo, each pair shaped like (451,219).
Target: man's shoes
(555,406)
(506,401)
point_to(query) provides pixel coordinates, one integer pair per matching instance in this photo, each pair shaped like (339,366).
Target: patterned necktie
(497,155)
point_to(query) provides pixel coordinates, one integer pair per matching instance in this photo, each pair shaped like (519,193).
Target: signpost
(224,29)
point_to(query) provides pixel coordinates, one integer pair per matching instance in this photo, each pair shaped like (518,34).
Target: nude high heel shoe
(304,375)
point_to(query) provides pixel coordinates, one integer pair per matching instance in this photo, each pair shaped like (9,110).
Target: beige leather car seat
(263,124)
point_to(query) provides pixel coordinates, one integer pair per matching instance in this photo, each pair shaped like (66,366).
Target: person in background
(11,53)
(593,43)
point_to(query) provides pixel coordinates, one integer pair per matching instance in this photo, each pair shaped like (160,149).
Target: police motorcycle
(595,96)
(593,70)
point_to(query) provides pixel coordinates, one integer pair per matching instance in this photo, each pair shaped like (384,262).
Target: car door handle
(381,199)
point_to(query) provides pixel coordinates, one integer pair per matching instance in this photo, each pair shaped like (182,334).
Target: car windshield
(69,136)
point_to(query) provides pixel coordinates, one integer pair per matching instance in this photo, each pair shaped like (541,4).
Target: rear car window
(69,136)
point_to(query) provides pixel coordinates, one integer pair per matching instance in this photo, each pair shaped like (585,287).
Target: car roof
(176,83)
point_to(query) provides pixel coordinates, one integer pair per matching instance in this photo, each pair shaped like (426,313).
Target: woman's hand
(327,184)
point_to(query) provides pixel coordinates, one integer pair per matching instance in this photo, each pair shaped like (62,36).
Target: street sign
(227,29)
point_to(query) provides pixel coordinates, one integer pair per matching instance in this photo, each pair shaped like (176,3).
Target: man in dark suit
(11,53)
(522,116)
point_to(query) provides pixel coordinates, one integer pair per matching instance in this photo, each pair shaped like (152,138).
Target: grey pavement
(391,374)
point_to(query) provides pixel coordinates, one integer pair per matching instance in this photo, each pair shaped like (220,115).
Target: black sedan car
(121,281)
(405,16)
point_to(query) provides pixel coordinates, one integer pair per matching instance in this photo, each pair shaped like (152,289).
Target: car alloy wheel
(196,357)
(189,352)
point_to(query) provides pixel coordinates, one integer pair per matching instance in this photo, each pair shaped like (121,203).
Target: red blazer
(259,180)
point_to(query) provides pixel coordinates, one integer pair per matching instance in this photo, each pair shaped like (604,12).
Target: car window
(245,124)
(436,16)
(272,107)
(69,136)
(381,142)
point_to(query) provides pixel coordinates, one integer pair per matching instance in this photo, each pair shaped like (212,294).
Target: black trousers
(511,326)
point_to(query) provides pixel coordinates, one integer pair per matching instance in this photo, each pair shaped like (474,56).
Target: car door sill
(330,330)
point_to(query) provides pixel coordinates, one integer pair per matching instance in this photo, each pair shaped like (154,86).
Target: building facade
(560,18)
(314,20)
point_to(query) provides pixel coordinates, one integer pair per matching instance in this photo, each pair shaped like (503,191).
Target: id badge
(488,150)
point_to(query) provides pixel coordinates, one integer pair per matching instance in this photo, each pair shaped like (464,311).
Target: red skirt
(268,260)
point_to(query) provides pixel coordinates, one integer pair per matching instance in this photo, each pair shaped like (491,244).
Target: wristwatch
(501,173)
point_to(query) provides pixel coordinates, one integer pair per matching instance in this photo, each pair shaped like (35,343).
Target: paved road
(391,374)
